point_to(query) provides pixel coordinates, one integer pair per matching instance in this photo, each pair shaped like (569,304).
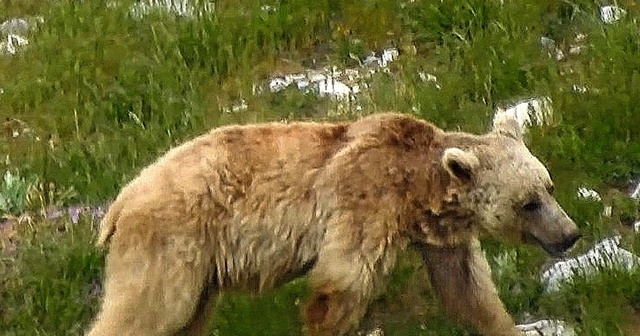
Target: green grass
(47,287)
(104,93)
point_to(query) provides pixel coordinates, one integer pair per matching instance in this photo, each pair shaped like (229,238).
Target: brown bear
(251,207)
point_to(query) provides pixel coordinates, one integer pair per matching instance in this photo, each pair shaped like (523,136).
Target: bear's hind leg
(204,312)
(151,290)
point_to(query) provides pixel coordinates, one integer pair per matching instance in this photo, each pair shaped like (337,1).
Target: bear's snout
(568,242)
(552,229)
(557,249)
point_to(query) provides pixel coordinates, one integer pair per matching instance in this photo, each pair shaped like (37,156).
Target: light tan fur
(251,207)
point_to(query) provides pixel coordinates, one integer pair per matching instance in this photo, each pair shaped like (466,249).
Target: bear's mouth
(555,250)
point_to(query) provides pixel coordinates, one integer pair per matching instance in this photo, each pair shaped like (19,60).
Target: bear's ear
(459,164)
(508,126)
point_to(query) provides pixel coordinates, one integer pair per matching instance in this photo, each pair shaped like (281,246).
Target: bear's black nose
(568,242)
(558,249)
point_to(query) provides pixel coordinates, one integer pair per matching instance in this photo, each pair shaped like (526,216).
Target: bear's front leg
(461,278)
(342,287)
(334,313)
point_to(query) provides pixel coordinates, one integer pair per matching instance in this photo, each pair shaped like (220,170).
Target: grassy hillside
(100,92)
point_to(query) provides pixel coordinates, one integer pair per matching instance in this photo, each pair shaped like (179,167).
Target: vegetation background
(100,92)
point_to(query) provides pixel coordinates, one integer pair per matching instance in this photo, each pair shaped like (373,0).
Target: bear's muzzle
(558,249)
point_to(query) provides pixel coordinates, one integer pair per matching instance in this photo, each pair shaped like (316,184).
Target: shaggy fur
(251,207)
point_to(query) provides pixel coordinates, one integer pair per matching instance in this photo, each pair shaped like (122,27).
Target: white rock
(332,81)
(578,44)
(636,192)
(586,193)
(527,112)
(268,8)
(547,42)
(389,55)
(13,33)
(277,84)
(550,45)
(372,60)
(16,26)
(576,49)
(333,87)
(547,328)
(352,74)
(325,85)
(294,78)
(12,43)
(280,83)
(237,107)
(579,88)
(303,84)
(316,76)
(375,332)
(427,77)
(636,227)
(606,254)
(611,14)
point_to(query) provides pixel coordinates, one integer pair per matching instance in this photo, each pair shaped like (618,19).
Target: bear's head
(509,191)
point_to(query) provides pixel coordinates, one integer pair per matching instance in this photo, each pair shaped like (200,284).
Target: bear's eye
(532,206)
